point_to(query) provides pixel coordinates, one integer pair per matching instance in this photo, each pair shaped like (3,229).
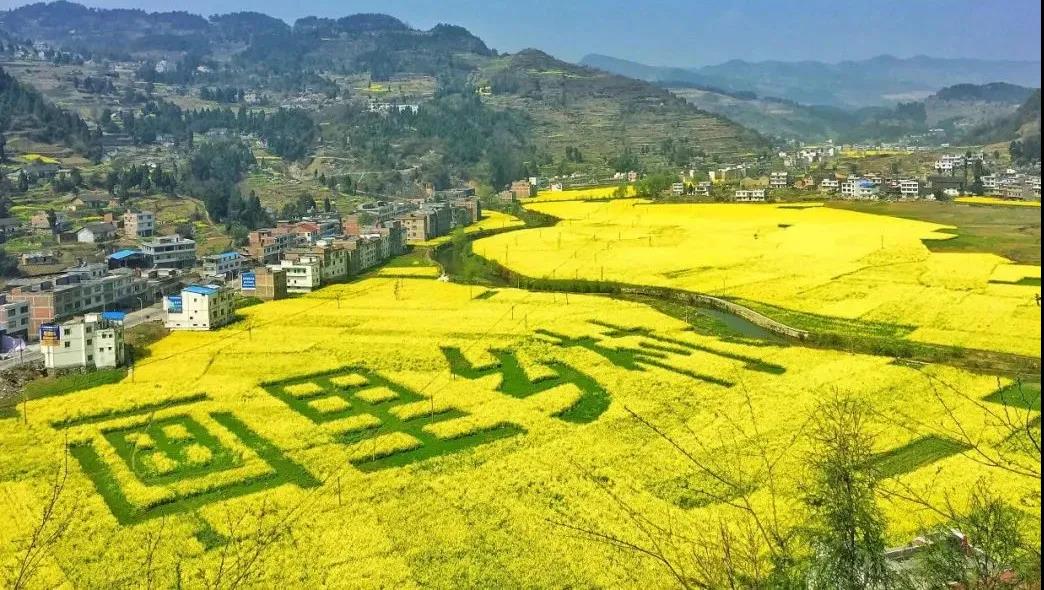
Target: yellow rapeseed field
(581,194)
(412,433)
(996,201)
(818,260)
(491,220)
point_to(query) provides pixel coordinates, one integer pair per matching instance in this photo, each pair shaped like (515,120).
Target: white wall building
(226,265)
(909,189)
(90,341)
(14,317)
(756,195)
(302,275)
(778,180)
(199,307)
(829,185)
(859,188)
(171,251)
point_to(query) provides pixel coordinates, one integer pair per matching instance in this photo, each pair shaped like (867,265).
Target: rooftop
(201,290)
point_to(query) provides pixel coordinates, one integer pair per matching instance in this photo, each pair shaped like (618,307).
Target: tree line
(24,109)
(289,133)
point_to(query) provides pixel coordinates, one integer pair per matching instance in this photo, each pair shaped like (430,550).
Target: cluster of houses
(1012,184)
(291,257)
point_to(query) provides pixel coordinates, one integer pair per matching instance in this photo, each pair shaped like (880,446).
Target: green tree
(846,526)
(655,184)
(994,553)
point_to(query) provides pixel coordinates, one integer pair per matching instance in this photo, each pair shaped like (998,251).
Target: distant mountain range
(882,80)
(962,113)
(491,111)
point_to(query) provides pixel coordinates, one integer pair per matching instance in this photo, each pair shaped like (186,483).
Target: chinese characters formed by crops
(652,350)
(593,400)
(372,407)
(145,467)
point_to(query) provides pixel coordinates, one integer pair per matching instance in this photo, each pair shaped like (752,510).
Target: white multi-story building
(990,181)
(949,163)
(139,224)
(199,307)
(703,188)
(829,185)
(225,265)
(756,195)
(678,189)
(14,317)
(909,188)
(171,251)
(90,341)
(302,275)
(778,180)
(859,188)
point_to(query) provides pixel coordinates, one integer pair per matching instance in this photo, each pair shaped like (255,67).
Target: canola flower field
(399,432)
(998,201)
(823,261)
(491,220)
(580,194)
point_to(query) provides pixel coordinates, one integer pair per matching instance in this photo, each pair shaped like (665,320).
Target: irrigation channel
(717,314)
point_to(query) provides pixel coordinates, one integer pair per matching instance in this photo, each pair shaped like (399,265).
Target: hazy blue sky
(693,32)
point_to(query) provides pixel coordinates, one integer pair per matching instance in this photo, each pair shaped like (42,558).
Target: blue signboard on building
(174,303)
(50,334)
(249,281)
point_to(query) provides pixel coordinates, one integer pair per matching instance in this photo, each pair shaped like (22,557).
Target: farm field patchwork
(818,260)
(398,428)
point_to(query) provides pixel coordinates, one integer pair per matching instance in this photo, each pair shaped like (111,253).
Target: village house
(859,189)
(521,189)
(829,185)
(95,340)
(90,202)
(267,246)
(93,233)
(264,283)
(756,195)
(225,265)
(14,317)
(778,180)
(909,188)
(140,224)
(171,251)
(10,227)
(40,221)
(199,307)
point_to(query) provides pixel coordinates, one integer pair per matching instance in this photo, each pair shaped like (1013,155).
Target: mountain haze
(877,81)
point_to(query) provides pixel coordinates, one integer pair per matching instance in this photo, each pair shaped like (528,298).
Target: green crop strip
(593,401)
(108,486)
(357,393)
